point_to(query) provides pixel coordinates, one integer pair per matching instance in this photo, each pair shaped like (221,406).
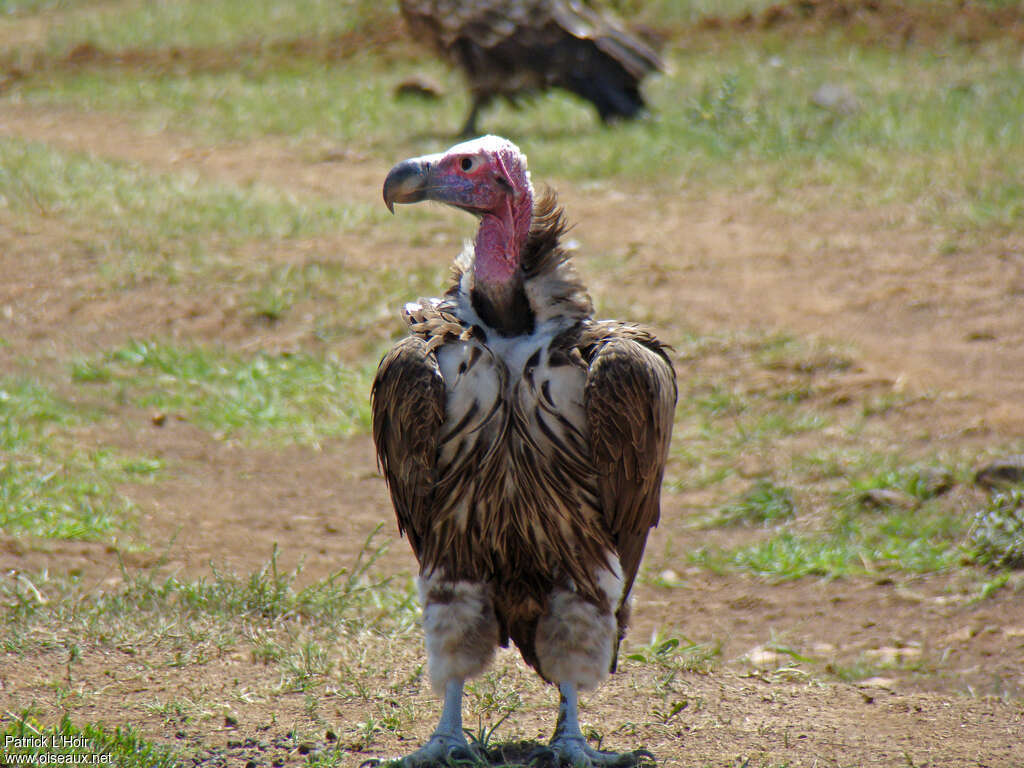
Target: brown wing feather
(408,401)
(630,400)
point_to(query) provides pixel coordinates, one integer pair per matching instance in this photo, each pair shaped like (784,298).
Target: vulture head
(486,177)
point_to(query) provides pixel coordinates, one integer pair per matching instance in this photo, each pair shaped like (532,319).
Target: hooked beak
(408,182)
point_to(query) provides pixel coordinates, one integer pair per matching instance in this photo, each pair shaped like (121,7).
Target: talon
(574,751)
(638,758)
(645,758)
(440,750)
(459,753)
(542,756)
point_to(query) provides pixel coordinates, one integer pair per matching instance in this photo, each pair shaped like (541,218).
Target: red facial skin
(494,185)
(486,177)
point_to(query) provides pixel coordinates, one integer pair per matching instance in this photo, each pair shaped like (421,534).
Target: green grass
(760,390)
(29,413)
(931,129)
(675,656)
(741,115)
(286,397)
(335,639)
(346,302)
(259,609)
(764,502)
(145,223)
(919,541)
(211,24)
(685,11)
(718,422)
(51,484)
(138,226)
(84,189)
(27,7)
(350,103)
(997,533)
(919,482)
(839,529)
(772,431)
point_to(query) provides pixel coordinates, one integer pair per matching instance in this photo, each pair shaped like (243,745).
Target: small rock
(962,635)
(889,655)
(935,481)
(760,656)
(419,86)
(158,419)
(835,98)
(887,498)
(669,577)
(1001,473)
(878,682)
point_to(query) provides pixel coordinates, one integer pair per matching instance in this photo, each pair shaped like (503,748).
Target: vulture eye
(467,164)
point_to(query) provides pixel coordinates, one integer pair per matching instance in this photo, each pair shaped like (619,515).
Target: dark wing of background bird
(408,401)
(508,47)
(630,400)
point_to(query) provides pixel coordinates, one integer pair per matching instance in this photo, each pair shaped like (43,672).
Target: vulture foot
(469,129)
(574,751)
(442,749)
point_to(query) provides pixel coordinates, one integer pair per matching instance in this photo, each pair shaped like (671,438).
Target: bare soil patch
(887,21)
(729,719)
(921,319)
(383,37)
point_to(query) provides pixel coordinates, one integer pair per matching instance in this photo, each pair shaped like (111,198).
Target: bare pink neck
(499,242)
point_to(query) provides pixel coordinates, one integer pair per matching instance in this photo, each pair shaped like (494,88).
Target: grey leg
(569,746)
(461,633)
(448,744)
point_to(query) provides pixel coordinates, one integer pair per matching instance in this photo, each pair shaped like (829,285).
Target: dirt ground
(922,316)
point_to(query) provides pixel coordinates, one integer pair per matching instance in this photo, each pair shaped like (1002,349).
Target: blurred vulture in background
(514,47)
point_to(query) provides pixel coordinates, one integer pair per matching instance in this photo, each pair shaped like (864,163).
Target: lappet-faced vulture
(523,443)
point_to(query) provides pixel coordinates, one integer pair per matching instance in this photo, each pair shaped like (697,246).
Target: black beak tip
(406,183)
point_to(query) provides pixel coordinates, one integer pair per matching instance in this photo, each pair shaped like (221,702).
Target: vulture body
(512,47)
(523,443)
